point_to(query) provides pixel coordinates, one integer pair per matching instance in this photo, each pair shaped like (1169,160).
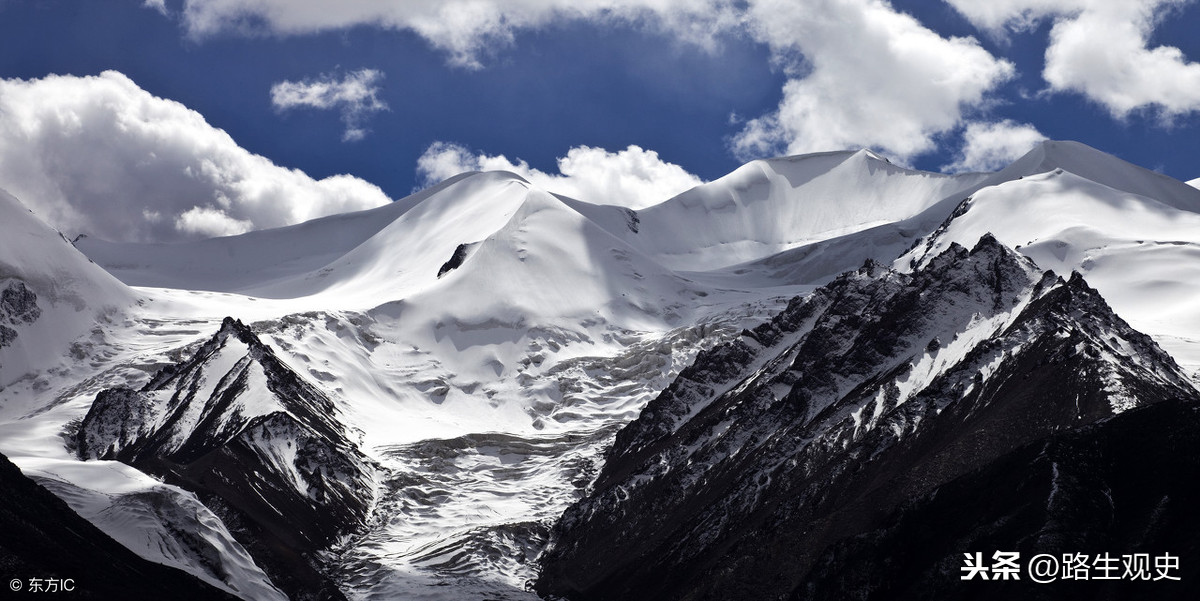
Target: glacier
(482,399)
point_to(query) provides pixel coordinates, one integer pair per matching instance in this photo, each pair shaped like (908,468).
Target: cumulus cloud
(158,5)
(210,221)
(101,156)
(993,146)
(862,73)
(1100,48)
(633,177)
(356,95)
(871,77)
(465,29)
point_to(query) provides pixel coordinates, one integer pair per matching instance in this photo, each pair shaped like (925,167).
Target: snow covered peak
(238,426)
(1125,244)
(287,262)
(1103,168)
(769,206)
(50,293)
(872,391)
(36,254)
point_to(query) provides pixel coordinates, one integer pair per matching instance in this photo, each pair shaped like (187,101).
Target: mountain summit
(876,389)
(253,439)
(768,386)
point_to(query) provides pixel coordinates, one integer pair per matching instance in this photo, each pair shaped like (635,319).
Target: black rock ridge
(257,443)
(796,461)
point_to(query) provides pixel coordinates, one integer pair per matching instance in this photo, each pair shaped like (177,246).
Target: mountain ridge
(254,440)
(469,352)
(730,487)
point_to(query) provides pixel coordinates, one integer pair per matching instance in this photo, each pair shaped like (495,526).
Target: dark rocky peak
(809,429)
(254,439)
(230,328)
(863,325)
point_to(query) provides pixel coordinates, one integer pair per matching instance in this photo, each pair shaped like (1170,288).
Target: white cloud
(158,5)
(871,77)
(101,156)
(1100,48)
(633,177)
(1017,15)
(993,146)
(208,222)
(465,29)
(355,95)
(867,75)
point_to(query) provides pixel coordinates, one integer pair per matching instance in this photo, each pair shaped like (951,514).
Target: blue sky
(399,94)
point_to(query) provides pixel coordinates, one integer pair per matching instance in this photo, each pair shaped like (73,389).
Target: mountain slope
(251,260)
(765,207)
(549,272)
(49,292)
(877,388)
(1112,487)
(44,539)
(260,445)
(1139,252)
(157,521)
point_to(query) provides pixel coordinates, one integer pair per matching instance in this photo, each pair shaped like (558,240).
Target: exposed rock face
(455,261)
(44,539)
(18,305)
(755,471)
(256,442)
(1120,486)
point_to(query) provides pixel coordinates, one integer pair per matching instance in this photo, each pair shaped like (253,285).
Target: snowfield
(483,340)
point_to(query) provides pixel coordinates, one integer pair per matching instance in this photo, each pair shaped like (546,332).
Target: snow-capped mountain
(876,389)
(257,442)
(769,206)
(50,293)
(1134,234)
(415,393)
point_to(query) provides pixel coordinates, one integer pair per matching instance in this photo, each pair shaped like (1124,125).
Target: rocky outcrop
(18,305)
(256,442)
(769,453)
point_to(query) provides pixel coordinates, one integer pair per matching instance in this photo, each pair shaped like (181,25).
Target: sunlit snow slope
(58,312)
(484,339)
(768,206)
(50,293)
(1135,237)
